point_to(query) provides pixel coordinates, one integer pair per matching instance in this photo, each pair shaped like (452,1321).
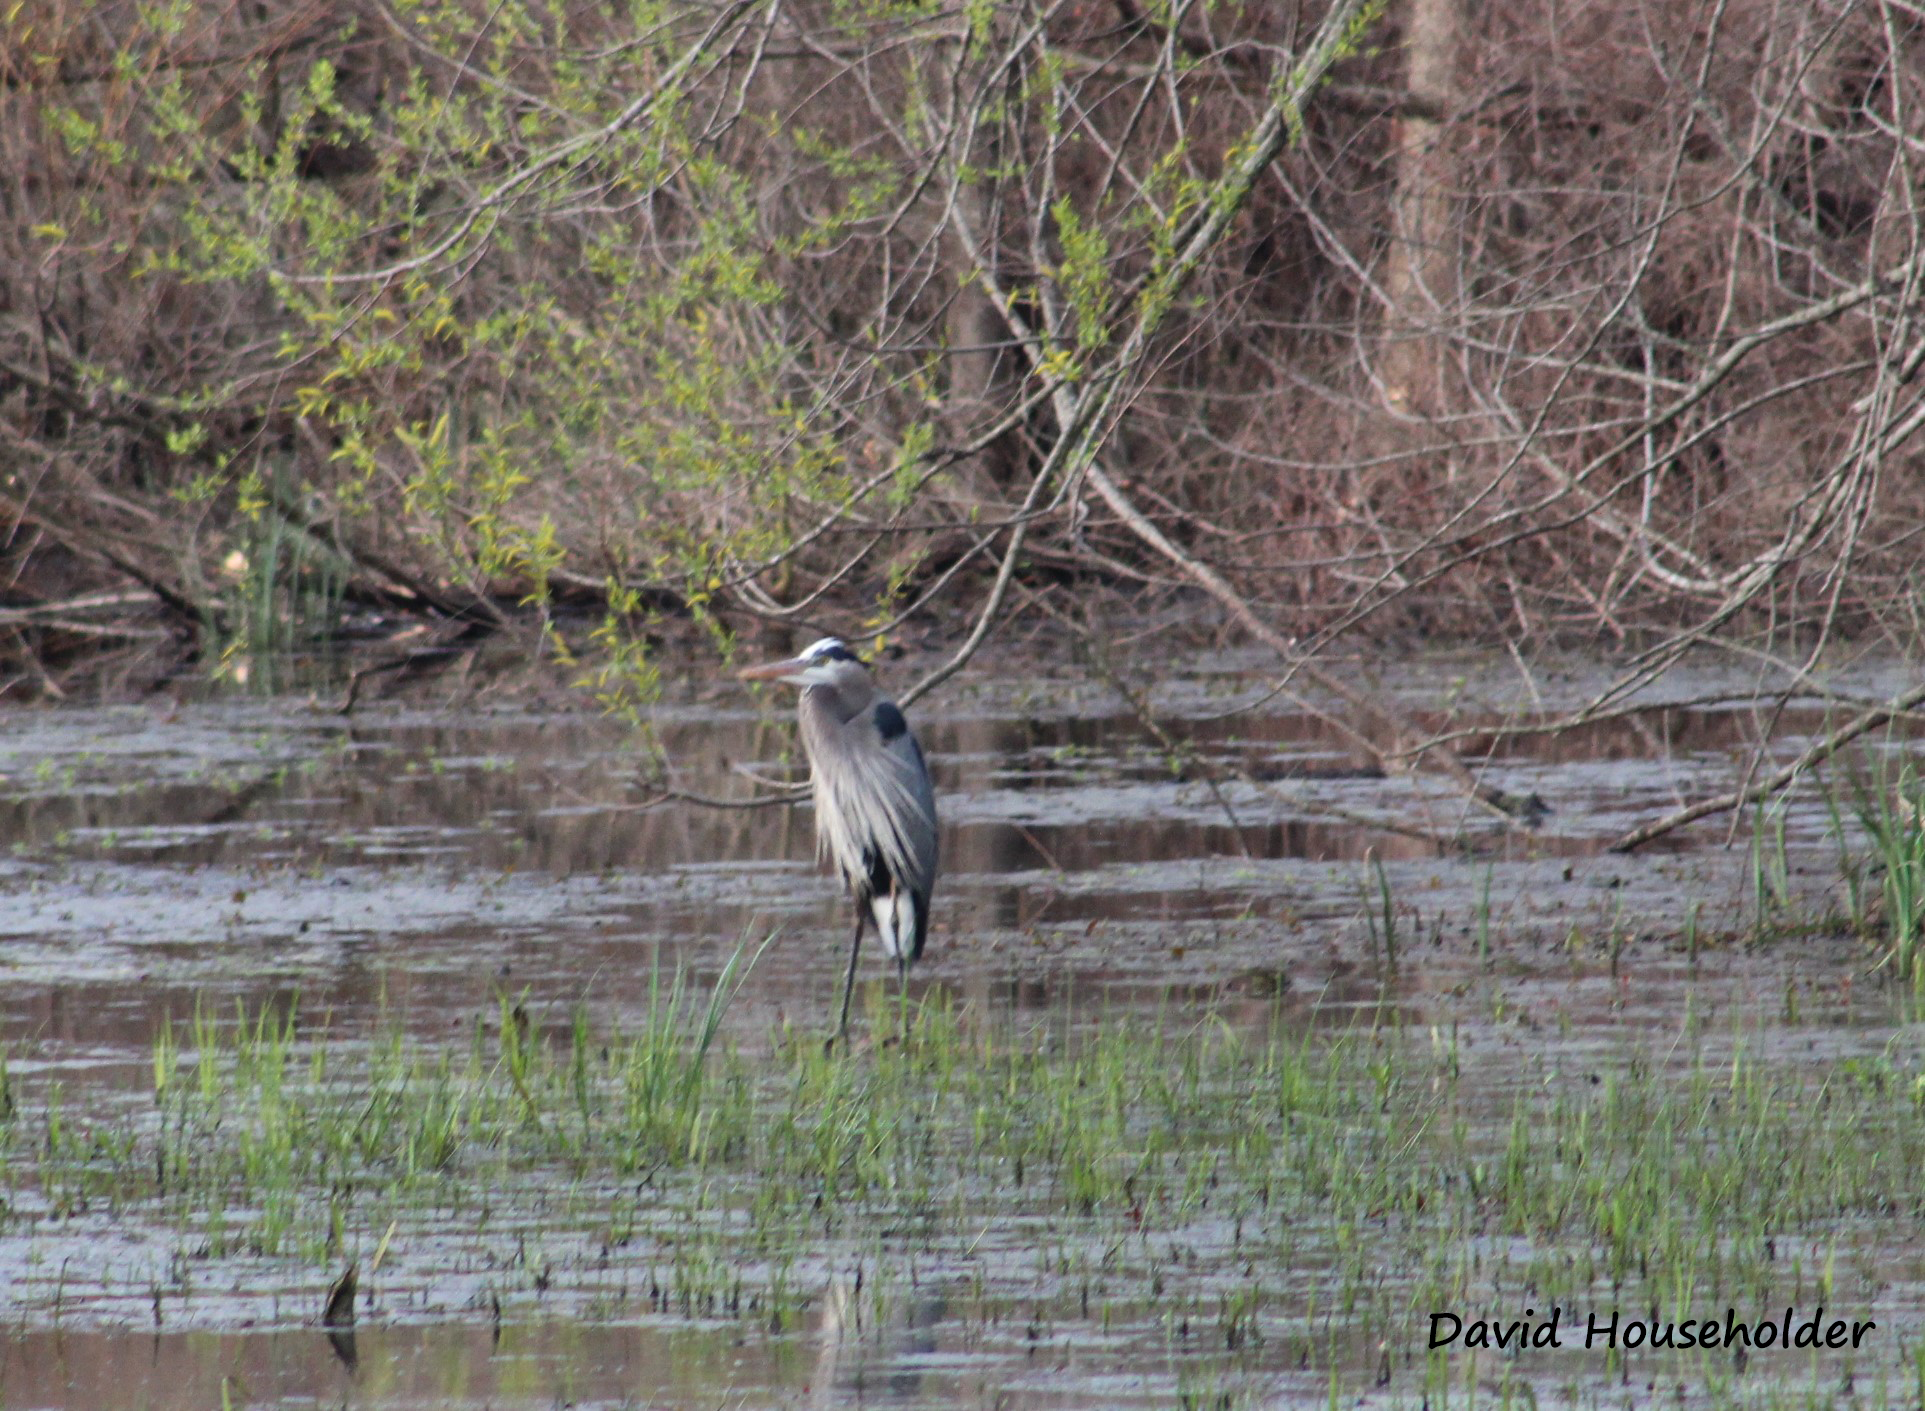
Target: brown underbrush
(1514,323)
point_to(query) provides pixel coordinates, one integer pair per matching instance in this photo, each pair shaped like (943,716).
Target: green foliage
(538,293)
(641,408)
(1084,276)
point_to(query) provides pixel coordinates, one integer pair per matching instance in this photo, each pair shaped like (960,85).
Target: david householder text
(1616,1331)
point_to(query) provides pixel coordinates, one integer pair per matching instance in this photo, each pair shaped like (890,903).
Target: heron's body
(875,808)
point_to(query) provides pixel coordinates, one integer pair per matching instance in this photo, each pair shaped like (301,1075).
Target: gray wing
(875,807)
(920,821)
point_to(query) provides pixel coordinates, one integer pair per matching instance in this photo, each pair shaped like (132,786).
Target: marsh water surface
(416,877)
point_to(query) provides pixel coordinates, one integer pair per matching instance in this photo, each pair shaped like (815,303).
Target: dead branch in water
(1780,779)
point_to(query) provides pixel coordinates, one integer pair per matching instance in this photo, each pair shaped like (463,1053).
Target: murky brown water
(418,863)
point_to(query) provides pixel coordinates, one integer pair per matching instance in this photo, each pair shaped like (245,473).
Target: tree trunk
(1420,272)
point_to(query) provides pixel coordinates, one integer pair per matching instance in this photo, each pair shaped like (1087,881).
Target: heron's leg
(902,998)
(849,981)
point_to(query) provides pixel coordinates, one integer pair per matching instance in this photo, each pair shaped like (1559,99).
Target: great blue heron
(875,809)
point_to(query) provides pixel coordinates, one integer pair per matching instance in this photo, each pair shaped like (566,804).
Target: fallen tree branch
(92,543)
(1815,753)
(1378,730)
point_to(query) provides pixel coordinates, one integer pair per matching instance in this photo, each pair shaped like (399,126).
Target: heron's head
(824,663)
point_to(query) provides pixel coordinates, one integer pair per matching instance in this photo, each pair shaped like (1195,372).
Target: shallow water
(412,866)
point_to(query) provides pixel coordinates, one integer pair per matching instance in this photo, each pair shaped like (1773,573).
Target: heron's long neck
(835,704)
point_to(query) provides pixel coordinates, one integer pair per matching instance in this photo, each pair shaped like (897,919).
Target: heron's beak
(774,670)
